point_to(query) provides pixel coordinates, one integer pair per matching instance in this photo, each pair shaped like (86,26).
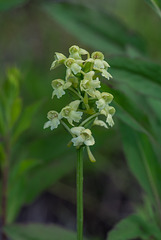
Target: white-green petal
(106,65)
(75,104)
(47,124)
(100,104)
(59,92)
(100,123)
(75,116)
(95,83)
(109,120)
(68,73)
(105,74)
(54,123)
(75,68)
(89,75)
(77,141)
(84,136)
(67,85)
(54,64)
(77,130)
(98,64)
(82,51)
(90,141)
(59,59)
(75,55)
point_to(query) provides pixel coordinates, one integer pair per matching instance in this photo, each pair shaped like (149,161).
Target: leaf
(129,112)
(143,162)
(154,106)
(156,5)
(38,232)
(7,4)
(15,110)
(29,184)
(2,121)
(54,172)
(94,28)
(9,96)
(139,82)
(134,227)
(142,76)
(25,120)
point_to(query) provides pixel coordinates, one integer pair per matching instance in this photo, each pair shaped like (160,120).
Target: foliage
(39,232)
(136,86)
(156,5)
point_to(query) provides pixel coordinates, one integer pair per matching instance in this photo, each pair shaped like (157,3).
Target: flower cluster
(82,80)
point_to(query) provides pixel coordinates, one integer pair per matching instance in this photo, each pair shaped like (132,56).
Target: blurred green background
(125,181)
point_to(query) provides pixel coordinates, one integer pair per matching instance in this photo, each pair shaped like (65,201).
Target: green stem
(80,194)
(88,119)
(72,90)
(66,127)
(79,95)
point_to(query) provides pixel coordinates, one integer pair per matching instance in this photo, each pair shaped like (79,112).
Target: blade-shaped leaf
(156,5)
(129,112)
(94,28)
(143,162)
(29,185)
(142,76)
(134,227)
(25,120)
(39,232)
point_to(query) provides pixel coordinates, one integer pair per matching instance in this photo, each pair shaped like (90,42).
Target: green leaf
(129,112)
(94,28)
(141,76)
(134,227)
(39,232)
(7,4)
(2,121)
(156,5)
(15,110)
(9,97)
(25,120)
(27,185)
(143,162)
(50,174)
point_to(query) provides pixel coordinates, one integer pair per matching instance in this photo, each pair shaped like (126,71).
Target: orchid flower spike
(83,84)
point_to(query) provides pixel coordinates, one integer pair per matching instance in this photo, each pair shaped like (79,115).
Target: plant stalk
(80,194)
(5,170)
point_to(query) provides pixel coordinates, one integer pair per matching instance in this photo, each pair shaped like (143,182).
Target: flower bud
(97,55)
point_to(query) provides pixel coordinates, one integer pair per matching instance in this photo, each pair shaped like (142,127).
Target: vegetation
(122,192)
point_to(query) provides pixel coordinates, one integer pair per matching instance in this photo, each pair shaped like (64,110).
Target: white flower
(83,136)
(109,120)
(53,122)
(76,52)
(100,123)
(70,112)
(59,86)
(71,78)
(108,111)
(73,65)
(59,59)
(88,84)
(99,64)
(104,99)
